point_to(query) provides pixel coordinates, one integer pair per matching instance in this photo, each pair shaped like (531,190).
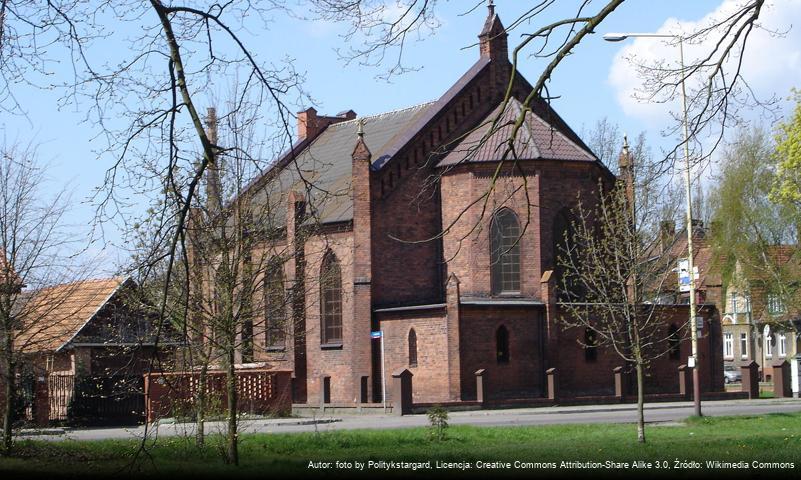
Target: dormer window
(776,305)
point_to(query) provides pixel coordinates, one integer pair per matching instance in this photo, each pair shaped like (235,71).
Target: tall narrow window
(412,348)
(769,345)
(728,345)
(743,345)
(502,344)
(782,344)
(505,252)
(331,301)
(674,343)
(274,306)
(590,345)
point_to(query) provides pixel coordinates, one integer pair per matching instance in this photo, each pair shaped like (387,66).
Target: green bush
(438,423)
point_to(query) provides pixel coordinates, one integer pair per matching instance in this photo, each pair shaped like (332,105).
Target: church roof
(322,170)
(320,167)
(536,139)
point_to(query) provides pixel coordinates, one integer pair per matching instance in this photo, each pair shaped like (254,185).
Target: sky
(597,81)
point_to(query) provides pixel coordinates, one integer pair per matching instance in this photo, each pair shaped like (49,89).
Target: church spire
(492,39)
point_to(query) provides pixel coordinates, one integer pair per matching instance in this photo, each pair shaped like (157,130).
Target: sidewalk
(617,413)
(622,407)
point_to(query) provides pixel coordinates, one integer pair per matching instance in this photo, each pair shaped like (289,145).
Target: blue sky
(582,83)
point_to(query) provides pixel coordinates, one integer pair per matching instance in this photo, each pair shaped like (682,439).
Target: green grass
(767,438)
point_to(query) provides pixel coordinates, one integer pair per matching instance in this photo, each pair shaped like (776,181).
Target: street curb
(261,422)
(41,432)
(625,407)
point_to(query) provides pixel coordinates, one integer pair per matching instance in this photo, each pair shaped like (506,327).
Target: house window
(502,344)
(744,345)
(775,305)
(733,299)
(782,344)
(412,348)
(590,345)
(505,252)
(331,301)
(274,306)
(674,342)
(769,345)
(728,345)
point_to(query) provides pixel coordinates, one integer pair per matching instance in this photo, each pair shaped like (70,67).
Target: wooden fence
(261,392)
(61,389)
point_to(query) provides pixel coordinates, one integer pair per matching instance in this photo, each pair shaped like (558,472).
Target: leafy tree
(787,187)
(749,223)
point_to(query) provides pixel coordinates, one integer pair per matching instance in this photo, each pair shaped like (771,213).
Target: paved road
(655,413)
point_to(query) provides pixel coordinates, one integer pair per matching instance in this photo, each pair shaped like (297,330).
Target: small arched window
(412,348)
(502,344)
(505,252)
(330,301)
(590,345)
(274,306)
(674,342)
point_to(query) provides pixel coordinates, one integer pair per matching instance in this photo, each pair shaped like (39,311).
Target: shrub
(438,423)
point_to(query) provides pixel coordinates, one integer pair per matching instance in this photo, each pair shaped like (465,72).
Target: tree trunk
(233,447)
(8,394)
(640,403)
(200,418)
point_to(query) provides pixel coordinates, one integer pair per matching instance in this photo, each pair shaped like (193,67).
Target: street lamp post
(618,37)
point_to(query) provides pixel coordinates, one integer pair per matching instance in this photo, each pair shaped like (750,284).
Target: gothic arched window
(412,348)
(330,301)
(505,252)
(590,345)
(274,306)
(674,342)
(502,344)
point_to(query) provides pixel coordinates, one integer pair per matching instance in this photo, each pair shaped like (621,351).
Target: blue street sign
(375,334)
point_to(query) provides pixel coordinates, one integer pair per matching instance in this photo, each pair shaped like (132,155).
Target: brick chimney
(310,124)
(667,233)
(213,182)
(492,39)
(625,164)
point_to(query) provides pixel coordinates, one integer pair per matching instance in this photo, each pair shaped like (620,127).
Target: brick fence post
(41,402)
(686,382)
(751,379)
(781,380)
(621,379)
(402,392)
(481,380)
(553,383)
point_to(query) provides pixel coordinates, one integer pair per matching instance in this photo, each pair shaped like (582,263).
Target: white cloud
(771,65)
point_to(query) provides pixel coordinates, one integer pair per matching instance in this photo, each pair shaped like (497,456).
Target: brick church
(429,227)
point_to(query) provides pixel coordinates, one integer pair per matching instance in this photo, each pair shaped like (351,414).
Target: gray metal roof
(322,170)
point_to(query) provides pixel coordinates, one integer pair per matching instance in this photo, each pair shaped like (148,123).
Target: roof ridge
(382,114)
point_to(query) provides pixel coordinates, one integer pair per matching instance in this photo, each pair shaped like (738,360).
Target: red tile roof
(536,139)
(52,316)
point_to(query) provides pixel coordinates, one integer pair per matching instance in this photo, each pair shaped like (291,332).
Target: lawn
(771,438)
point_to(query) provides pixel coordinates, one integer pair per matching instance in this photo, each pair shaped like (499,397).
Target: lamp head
(615,37)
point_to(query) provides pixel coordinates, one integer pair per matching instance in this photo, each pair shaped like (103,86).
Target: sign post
(380,335)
